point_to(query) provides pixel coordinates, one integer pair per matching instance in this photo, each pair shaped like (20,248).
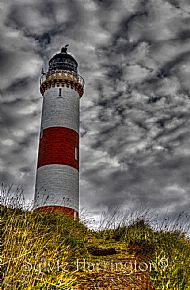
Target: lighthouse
(57,176)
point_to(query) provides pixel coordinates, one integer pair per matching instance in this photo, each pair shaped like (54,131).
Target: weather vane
(64,49)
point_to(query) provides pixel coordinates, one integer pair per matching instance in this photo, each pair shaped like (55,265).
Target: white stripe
(61,111)
(57,185)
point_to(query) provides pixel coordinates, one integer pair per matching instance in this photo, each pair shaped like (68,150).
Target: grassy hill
(51,251)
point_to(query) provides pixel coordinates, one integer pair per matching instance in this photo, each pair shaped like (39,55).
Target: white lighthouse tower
(57,177)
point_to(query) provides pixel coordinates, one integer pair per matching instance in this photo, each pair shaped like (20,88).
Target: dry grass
(51,251)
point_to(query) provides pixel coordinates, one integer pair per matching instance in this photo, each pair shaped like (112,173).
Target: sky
(135,114)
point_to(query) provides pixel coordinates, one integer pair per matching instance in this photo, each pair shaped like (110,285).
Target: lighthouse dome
(63,61)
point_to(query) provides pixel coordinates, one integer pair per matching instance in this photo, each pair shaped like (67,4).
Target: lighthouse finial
(64,49)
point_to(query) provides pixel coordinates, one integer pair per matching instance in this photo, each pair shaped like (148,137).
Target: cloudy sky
(135,115)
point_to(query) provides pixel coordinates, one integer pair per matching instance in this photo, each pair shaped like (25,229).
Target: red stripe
(66,210)
(57,146)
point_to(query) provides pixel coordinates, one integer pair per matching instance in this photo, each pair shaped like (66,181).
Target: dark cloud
(105,3)
(5,60)
(148,121)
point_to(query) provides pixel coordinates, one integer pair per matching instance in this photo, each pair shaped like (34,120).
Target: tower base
(61,209)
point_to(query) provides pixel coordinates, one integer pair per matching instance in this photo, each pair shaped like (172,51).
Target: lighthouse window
(41,133)
(76,153)
(59,92)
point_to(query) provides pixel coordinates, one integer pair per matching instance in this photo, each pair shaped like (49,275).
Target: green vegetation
(52,251)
